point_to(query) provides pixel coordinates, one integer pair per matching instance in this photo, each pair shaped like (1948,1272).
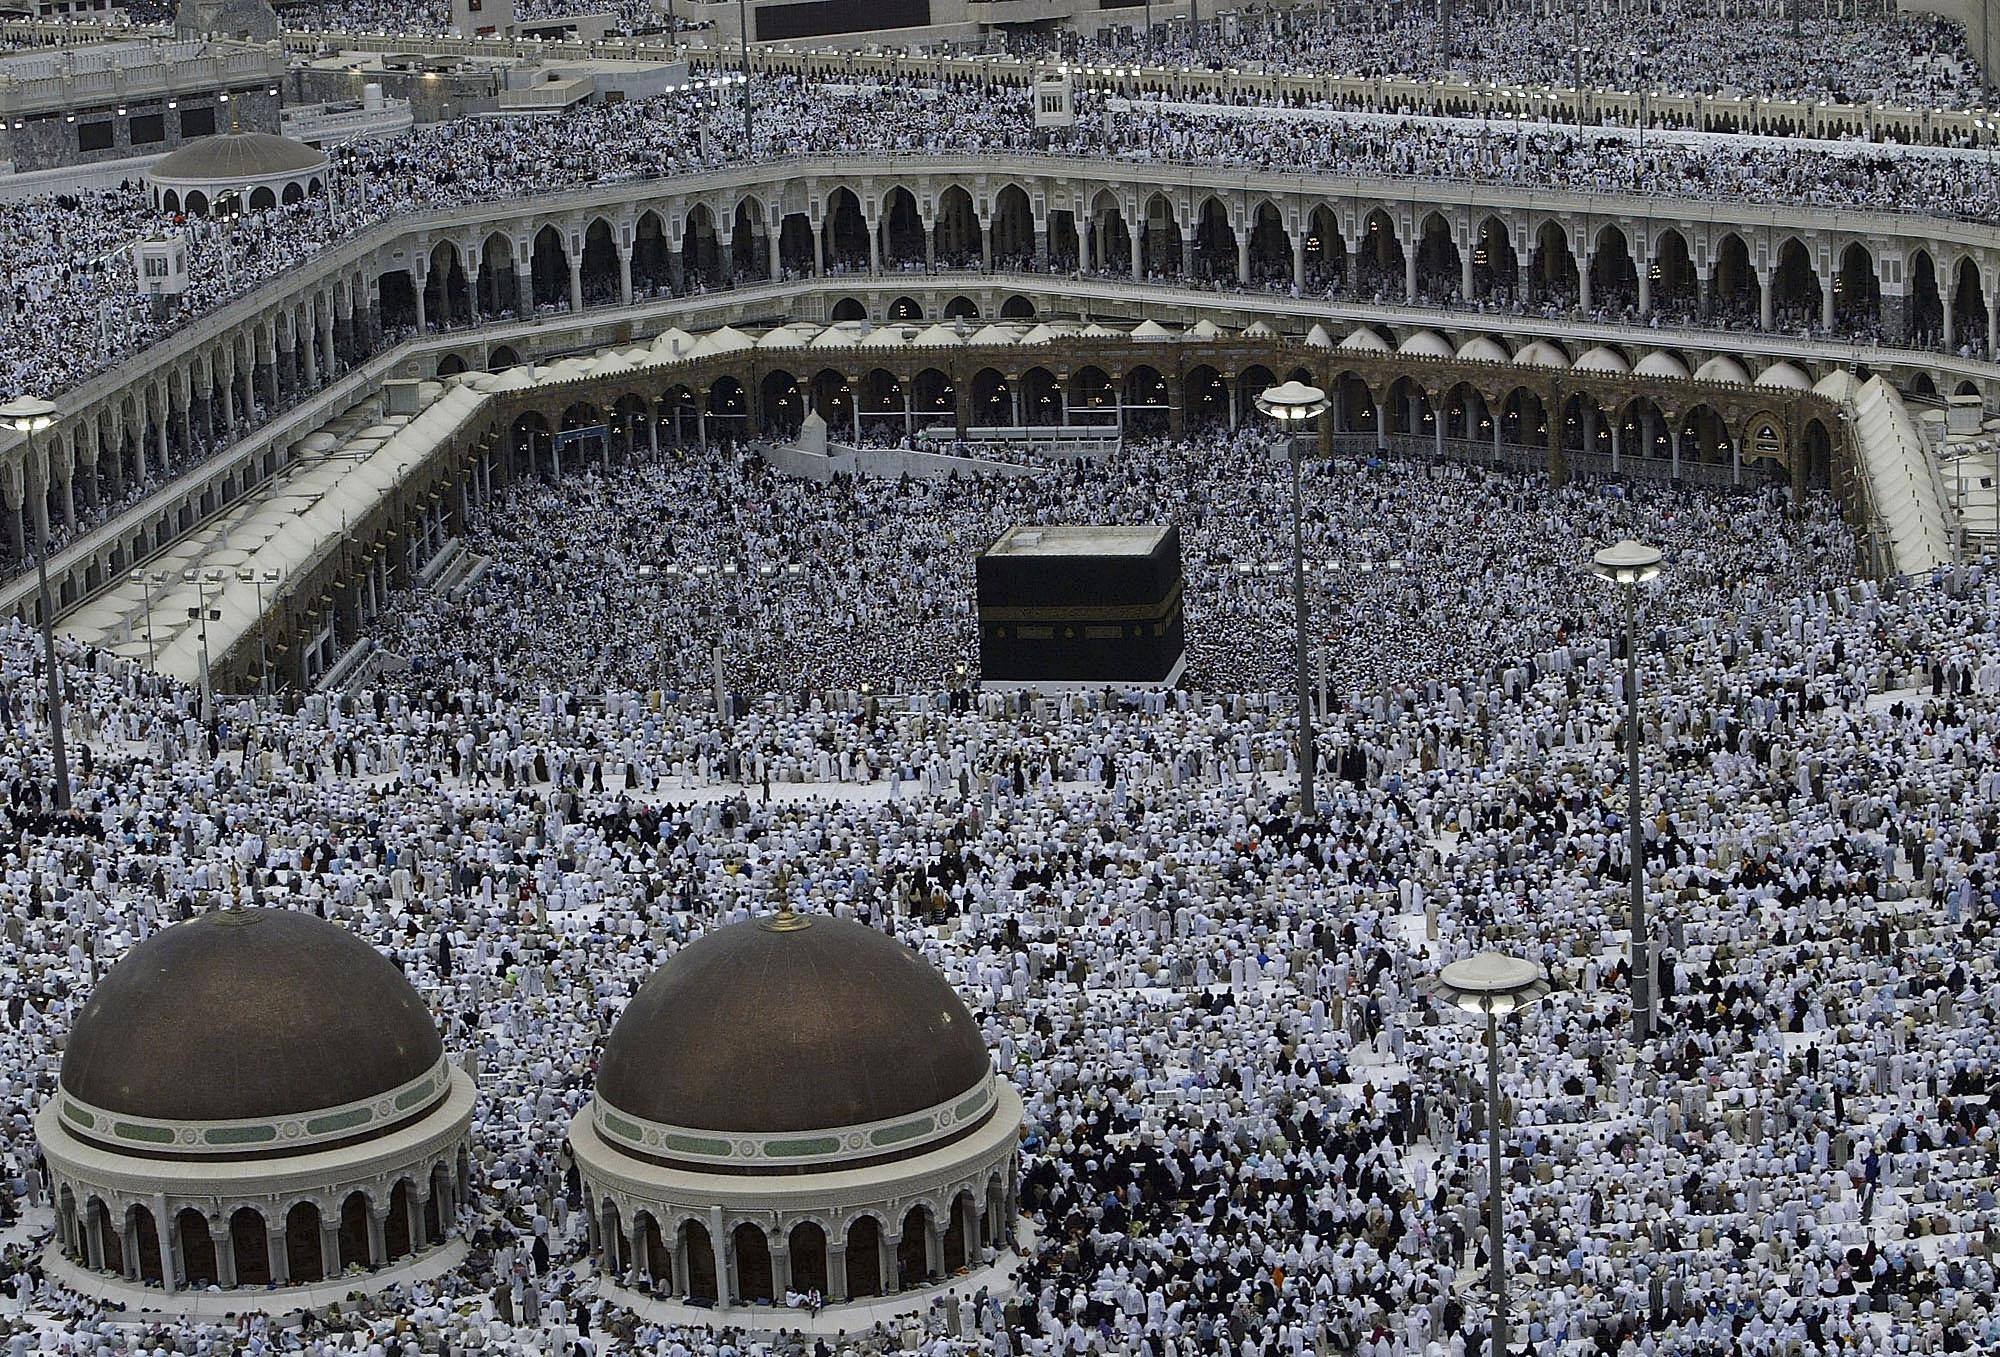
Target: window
(156,266)
(148,128)
(198,122)
(94,136)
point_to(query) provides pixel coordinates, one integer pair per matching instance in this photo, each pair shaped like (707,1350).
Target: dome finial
(785,921)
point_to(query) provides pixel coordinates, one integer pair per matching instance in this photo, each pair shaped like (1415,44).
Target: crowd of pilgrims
(1871,54)
(1825,51)
(69,304)
(807,587)
(1249,1127)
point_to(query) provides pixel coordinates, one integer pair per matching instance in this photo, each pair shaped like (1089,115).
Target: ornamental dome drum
(796,1103)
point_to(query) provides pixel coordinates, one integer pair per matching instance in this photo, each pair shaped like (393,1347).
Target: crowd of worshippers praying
(69,304)
(1249,1126)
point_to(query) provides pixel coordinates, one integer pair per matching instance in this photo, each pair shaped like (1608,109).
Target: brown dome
(239,1014)
(760,1028)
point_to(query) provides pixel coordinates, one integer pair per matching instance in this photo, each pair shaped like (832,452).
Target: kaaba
(1081,606)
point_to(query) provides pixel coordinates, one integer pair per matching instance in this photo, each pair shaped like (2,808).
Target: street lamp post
(28,416)
(1493,984)
(1293,405)
(147,580)
(258,579)
(1628,565)
(202,614)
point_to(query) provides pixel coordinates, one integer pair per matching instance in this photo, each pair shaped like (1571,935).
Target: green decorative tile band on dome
(297,1134)
(697,1145)
(152,1135)
(741,1150)
(340,1121)
(817,1147)
(909,1130)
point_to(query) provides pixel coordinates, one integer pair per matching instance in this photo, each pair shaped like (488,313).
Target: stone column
(986,246)
(1616,455)
(167,1230)
(1583,280)
(886,1245)
(677,1260)
(329,1248)
(1299,261)
(1465,275)
(1674,434)
(1558,466)
(637,1259)
(934,1247)
(420,284)
(1242,258)
(277,1256)
(624,272)
(524,279)
(225,1254)
(874,246)
(1766,304)
(725,1266)
(1825,302)
(575,275)
(128,1247)
(1645,272)
(38,511)
(781,1269)
(1950,317)
(93,1238)
(970,1231)
(413,1208)
(1381,427)
(1138,252)
(836,1271)
(1410,274)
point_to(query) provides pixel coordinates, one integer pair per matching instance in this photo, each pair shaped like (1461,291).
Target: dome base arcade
(276,1234)
(994,1280)
(723,1241)
(144,1300)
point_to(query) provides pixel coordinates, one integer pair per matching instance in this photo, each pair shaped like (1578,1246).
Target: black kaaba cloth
(1081,604)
